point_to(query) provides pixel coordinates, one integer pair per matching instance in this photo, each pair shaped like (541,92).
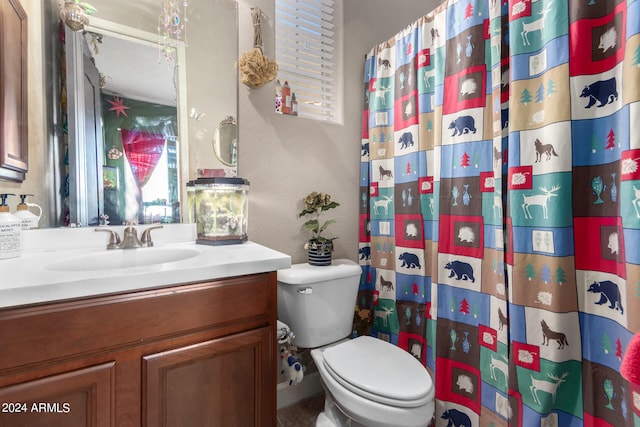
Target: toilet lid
(379,371)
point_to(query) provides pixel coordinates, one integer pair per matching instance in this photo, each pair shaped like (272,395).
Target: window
(307,53)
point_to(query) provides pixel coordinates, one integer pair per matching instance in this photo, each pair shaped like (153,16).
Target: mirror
(122,111)
(225,141)
(102,173)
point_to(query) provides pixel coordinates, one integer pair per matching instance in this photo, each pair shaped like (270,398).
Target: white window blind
(306,52)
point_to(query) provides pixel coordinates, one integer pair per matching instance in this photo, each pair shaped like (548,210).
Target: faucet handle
(146,235)
(114,239)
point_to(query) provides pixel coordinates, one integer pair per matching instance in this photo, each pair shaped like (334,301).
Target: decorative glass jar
(221,210)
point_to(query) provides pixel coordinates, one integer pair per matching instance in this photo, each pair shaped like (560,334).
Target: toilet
(367,381)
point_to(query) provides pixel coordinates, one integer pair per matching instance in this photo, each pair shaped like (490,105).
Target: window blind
(306,54)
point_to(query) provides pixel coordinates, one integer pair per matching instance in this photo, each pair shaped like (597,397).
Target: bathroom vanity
(195,352)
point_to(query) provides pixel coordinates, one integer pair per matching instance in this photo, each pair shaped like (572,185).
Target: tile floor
(302,414)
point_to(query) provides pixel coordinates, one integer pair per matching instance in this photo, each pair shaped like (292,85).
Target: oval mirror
(225,141)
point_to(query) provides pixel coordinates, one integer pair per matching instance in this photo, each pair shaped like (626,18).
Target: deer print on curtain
(499,207)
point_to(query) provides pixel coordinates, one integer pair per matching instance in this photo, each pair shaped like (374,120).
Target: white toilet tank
(318,302)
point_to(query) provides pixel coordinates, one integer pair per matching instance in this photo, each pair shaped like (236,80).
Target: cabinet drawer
(104,324)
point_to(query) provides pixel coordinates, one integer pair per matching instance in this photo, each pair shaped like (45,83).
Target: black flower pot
(320,252)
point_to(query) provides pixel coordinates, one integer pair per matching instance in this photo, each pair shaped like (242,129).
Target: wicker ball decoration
(74,15)
(255,67)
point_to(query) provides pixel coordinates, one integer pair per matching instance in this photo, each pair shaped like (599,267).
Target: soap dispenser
(10,231)
(27,218)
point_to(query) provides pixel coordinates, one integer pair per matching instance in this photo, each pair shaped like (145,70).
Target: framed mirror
(225,141)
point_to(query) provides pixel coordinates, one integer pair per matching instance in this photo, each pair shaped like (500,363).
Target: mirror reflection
(139,126)
(130,144)
(140,174)
(225,141)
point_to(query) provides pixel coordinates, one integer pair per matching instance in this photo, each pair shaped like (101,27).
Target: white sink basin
(122,258)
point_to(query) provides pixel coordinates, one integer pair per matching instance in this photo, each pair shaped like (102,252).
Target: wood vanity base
(201,354)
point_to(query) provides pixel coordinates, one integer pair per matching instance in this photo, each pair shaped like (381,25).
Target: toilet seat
(378,371)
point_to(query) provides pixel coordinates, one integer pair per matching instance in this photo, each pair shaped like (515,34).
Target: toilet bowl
(367,381)
(374,384)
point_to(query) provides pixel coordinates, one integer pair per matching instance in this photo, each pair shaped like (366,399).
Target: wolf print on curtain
(500,207)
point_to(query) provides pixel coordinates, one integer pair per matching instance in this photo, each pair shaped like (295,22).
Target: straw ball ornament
(256,68)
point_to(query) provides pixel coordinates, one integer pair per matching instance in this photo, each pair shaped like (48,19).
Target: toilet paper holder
(285,335)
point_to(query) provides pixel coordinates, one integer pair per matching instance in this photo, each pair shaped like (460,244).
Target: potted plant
(319,247)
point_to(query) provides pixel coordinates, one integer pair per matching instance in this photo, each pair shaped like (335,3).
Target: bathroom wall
(286,157)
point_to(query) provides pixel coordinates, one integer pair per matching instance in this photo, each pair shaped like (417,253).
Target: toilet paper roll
(282,325)
(283,332)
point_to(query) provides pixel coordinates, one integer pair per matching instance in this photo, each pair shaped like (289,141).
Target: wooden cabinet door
(13,91)
(83,397)
(222,382)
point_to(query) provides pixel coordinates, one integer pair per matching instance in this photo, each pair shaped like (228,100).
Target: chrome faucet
(114,239)
(130,238)
(145,239)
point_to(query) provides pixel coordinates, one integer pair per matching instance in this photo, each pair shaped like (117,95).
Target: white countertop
(29,278)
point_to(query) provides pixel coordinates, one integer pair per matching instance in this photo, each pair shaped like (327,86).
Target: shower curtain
(500,208)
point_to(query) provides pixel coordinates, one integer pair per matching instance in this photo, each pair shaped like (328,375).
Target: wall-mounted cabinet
(13,91)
